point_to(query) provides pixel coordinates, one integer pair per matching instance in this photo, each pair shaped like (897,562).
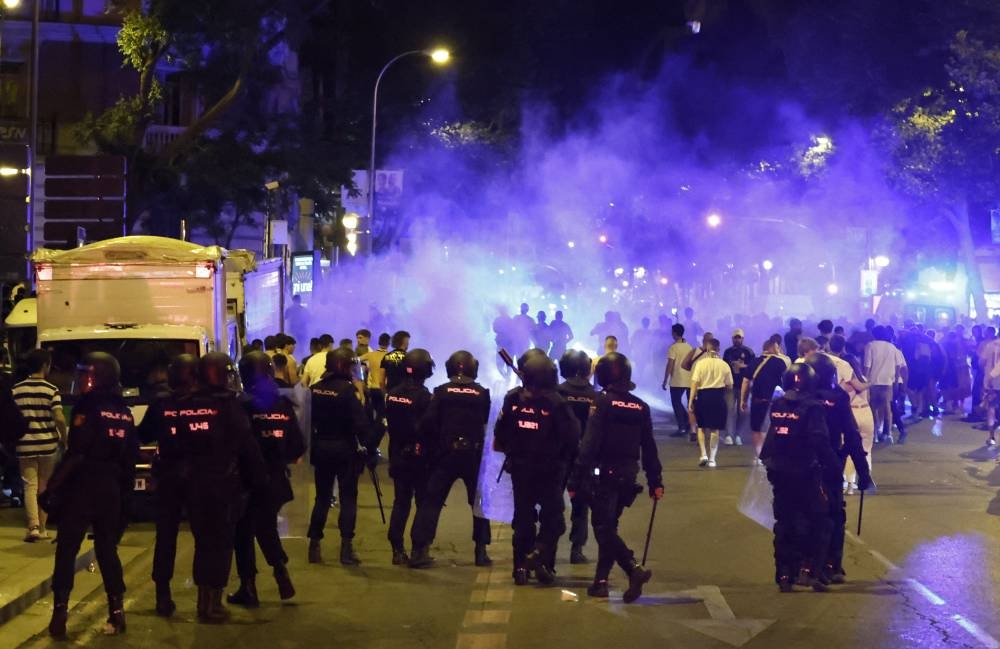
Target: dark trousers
(410,486)
(544,490)
(836,508)
(610,500)
(801,522)
(680,412)
(97,506)
(169,504)
(213,524)
(376,409)
(579,514)
(260,522)
(458,465)
(345,471)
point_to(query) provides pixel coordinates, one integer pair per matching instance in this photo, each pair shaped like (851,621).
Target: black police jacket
(217,448)
(580,395)
(102,443)
(845,438)
(154,429)
(536,430)
(619,433)
(798,440)
(456,418)
(277,432)
(405,406)
(340,426)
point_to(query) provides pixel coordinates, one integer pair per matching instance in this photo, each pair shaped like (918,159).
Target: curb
(21,603)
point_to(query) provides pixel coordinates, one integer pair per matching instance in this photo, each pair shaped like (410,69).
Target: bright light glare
(832,289)
(663,281)
(352,247)
(767,264)
(12,4)
(881,261)
(440,56)
(942,286)
(714,220)
(571,244)
(639,272)
(603,238)
(619,271)
(625,283)
(604,289)
(350,220)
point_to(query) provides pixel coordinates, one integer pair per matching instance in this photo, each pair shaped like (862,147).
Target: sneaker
(711,464)
(33,535)
(703,461)
(991,441)
(851,488)
(738,440)
(728,441)
(785,584)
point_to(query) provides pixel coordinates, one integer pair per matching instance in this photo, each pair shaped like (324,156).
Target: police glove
(656,492)
(865,481)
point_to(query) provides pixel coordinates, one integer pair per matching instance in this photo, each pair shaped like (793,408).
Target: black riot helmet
(462,366)
(799,380)
(574,364)
(98,372)
(614,369)
(826,371)
(182,373)
(255,367)
(340,363)
(418,364)
(538,372)
(216,370)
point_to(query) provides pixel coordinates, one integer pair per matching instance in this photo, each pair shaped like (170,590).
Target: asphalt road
(924,572)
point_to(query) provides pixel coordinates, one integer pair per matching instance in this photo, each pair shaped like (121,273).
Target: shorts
(759,408)
(710,408)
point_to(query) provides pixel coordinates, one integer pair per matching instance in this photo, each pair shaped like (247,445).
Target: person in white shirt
(315,366)
(884,364)
(710,379)
(679,381)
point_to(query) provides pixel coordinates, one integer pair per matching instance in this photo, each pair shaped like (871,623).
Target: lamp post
(438,56)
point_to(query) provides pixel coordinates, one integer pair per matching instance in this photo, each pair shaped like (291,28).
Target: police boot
(116,616)
(399,557)
(285,588)
(576,555)
(598,589)
(786,584)
(807,578)
(535,561)
(421,557)
(210,608)
(482,559)
(246,595)
(314,554)
(164,600)
(60,614)
(834,574)
(347,556)
(637,577)
(520,577)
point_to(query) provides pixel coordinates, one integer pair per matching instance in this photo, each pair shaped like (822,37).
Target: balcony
(158,137)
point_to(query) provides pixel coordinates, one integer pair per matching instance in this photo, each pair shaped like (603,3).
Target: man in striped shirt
(36,452)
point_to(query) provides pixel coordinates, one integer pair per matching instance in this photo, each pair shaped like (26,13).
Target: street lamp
(439,56)
(714,220)
(881,261)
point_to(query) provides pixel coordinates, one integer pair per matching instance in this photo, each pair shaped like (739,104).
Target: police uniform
(276,430)
(539,434)
(796,450)
(453,431)
(580,395)
(405,406)
(341,437)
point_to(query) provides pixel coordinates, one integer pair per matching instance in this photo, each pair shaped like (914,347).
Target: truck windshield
(143,361)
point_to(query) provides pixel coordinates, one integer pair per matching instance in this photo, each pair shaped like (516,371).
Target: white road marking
(718,608)
(975,631)
(881,559)
(928,594)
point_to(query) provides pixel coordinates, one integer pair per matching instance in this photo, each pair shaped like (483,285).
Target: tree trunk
(958,214)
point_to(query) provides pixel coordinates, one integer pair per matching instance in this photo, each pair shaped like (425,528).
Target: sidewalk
(26,568)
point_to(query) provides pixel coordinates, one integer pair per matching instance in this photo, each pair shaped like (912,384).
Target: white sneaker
(991,441)
(703,461)
(738,440)
(728,441)
(758,462)
(851,488)
(711,464)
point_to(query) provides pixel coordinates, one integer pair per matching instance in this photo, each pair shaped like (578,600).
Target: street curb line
(21,603)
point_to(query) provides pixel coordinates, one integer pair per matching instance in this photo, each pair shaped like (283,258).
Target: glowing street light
(350,219)
(11,4)
(571,244)
(767,264)
(439,56)
(603,238)
(881,261)
(714,220)
(832,289)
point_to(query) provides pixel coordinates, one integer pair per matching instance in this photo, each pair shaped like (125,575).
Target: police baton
(649,532)
(378,492)
(508,360)
(861,510)
(503,467)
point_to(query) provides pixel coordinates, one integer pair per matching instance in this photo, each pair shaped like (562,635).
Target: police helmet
(826,371)
(614,368)
(340,363)
(800,379)
(418,364)
(254,367)
(216,370)
(462,364)
(574,363)
(537,370)
(182,373)
(98,372)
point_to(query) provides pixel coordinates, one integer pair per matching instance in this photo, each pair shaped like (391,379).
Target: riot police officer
(453,431)
(845,440)
(90,486)
(619,434)
(276,430)
(574,366)
(796,451)
(405,406)
(342,442)
(539,434)
(182,380)
(220,461)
